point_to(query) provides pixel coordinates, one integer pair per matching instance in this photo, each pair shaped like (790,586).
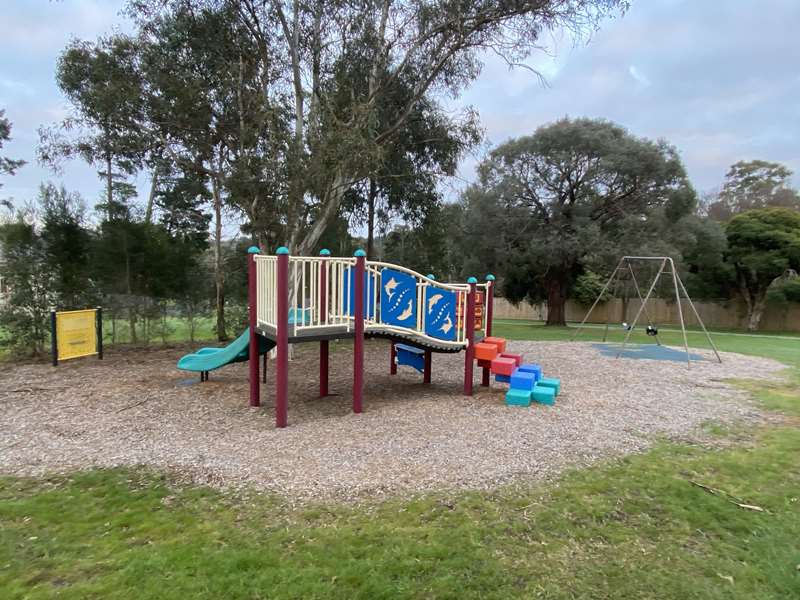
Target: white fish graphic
(433,300)
(389,287)
(407,312)
(448,325)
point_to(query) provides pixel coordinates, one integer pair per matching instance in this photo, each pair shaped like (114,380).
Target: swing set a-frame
(623,273)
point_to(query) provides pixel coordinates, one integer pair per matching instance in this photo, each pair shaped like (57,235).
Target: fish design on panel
(440,316)
(398,298)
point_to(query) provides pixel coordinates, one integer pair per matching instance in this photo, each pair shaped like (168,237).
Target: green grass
(632,528)
(782,348)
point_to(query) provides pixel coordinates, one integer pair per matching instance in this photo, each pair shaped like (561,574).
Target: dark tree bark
(556,301)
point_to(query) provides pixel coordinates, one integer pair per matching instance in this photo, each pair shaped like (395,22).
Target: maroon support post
(489,315)
(358,329)
(392,359)
(282,341)
(426,373)
(469,355)
(323,307)
(252,310)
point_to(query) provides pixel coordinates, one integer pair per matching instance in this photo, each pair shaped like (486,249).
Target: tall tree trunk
(556,302)
(371,219)
(219,276)
(151,197)
(755,309)
(109,183)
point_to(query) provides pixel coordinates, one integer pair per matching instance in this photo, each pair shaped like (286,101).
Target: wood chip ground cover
(136,408)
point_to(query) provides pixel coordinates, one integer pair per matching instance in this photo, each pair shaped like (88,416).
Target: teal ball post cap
(430,276)
(324,252)
(282,250)
(490,277)
(253,250)
(472,280)
(359,253)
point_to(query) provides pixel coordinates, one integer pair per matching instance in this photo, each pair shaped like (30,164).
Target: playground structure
(624,273)
(298,299)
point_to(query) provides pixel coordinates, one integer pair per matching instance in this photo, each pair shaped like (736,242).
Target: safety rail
(320,298)
(376,321)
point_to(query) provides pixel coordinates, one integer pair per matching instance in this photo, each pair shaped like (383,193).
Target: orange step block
(517,358)
(499,342)
(484,351)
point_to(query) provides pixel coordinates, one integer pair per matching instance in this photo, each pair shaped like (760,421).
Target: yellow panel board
(76,333)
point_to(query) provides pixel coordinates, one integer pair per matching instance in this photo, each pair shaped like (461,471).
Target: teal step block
(522,380)
(551,382)
(543,394)
(532,368)
(518,397)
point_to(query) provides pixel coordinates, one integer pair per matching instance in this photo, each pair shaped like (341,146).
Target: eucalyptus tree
(754,184)
(432,47)
(575,193)
(8,166)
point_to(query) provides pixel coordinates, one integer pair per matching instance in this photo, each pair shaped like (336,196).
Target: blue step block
(410,356)
(518,397)
(543,394)
(502,378)
(523,380)
(531,368)
(551,382)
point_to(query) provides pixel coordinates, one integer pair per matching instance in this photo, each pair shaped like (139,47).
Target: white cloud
(640,77)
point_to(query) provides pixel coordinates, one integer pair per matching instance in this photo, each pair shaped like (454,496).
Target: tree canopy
(574,194)
(764,247)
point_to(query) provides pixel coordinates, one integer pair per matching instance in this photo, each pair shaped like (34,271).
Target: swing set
(624,276)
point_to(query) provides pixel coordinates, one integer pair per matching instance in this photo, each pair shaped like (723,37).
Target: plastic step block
(502,378)
(499,342)
(517,358)
(518,397)
(543,394)
(410,356)
(484,351)
(522,380)
(551,382)
(503,366)
(532,368)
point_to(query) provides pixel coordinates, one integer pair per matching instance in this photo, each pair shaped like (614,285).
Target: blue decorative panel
(440,313)
(369,294)
(398,298)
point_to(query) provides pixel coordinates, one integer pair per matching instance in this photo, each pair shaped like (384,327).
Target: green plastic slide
(209,359)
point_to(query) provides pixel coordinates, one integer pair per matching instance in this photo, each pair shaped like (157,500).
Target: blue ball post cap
(359,253)
(324,252)
(253,250)
(490,277)
(430,276)
(472,280)
(282,250)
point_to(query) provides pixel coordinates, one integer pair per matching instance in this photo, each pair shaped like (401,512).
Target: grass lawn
(632,528)
(784,348)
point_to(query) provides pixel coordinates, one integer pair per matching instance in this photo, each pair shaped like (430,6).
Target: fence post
(53,338)
(282,341)
(99,331)
(469,355)
(358,330)
(252,313)
(323,308)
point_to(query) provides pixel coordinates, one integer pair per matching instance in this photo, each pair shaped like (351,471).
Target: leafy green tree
(103,83)
(764,247)
(8,166)
(337,132)
(754,184)
(575,193)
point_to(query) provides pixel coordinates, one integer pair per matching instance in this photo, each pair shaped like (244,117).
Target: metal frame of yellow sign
(76,333)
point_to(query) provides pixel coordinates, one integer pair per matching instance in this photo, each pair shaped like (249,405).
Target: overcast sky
(719,79)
